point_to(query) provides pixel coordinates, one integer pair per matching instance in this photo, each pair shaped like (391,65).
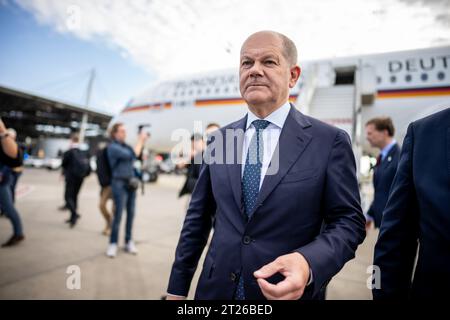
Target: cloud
(178,37)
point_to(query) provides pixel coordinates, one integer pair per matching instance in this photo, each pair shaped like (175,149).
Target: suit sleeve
(396,247)
(344,222)
(194,235)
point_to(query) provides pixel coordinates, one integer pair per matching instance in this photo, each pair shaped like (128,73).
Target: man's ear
(295,74)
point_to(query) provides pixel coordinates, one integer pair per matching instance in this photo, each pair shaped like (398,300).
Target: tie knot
(260,124)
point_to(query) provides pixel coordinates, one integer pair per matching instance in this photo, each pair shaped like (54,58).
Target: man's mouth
(255,85)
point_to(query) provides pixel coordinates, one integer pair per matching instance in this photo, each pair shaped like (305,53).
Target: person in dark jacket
(193,166)
(380,134)
(75,167)
(104,179)
(121,158)
(413,248)
(10,157)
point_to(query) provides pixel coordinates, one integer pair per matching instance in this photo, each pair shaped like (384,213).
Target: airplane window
(441,75)
(236,89)
(393,79)
(378,79)
(227,89)
(199,91)
(408,78)
(208,91)
(217,90)
(424,77)
(191,92)
(182,93)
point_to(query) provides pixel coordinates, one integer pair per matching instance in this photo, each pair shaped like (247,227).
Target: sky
(49,46)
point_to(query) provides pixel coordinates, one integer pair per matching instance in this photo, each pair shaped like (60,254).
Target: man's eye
(270,62)
(246,63)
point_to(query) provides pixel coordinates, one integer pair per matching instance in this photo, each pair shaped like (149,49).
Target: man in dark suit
(76,167)
(418,213)
(278,187)
(380,134)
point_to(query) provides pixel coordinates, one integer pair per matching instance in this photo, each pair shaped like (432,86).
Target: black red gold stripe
(413,92)
(156,106)
(198,103)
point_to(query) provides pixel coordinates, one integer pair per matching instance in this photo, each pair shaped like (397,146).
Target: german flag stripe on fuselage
(413,92)
(198,103)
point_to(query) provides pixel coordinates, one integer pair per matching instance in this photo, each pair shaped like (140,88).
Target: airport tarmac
(37,268)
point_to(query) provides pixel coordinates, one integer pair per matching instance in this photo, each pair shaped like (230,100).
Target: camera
(144,128)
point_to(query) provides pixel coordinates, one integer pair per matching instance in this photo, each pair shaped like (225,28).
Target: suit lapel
(448,151)
(234,146)
(292,142)
(388,159)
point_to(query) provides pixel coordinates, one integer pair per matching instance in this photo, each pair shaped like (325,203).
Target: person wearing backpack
(104,179)
(75,167)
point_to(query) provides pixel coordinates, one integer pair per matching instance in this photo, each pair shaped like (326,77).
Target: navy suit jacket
(382,180)
(418,211)
(311,205)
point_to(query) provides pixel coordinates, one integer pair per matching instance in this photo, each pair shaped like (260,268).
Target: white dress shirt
(271,135)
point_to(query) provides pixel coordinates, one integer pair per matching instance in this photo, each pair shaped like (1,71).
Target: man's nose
(256,69)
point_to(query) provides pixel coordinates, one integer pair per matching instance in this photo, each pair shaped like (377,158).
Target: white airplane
(346,92)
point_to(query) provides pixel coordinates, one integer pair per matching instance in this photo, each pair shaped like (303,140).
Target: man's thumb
(267,270)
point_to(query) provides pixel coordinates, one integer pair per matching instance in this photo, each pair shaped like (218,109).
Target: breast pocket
(300,175)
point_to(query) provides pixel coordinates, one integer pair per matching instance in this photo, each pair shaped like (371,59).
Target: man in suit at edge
(380,134)
(418,213)
(281,234)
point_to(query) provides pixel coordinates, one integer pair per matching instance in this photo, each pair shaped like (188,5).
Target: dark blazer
(382,180)
(192,174)
(311,206)
(418,211)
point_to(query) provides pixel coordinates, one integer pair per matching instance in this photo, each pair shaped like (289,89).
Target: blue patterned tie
(251,180)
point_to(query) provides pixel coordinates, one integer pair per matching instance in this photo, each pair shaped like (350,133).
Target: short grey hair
(289,49)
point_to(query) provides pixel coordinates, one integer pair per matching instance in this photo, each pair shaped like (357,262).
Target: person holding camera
(124,183)
(10,157)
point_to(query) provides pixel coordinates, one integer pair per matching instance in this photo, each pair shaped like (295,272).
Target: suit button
(247,240)
(233,276)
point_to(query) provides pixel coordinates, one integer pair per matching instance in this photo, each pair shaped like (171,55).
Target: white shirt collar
(278,117)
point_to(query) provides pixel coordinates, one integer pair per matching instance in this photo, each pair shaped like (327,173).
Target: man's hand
(143,136)
(177,298)
(294,268)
